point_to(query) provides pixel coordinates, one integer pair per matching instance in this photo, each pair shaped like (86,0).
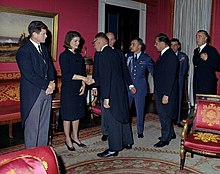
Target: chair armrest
(187,127)
(95,101)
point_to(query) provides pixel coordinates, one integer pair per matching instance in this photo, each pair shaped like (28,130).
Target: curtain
(215,30)
(189,17)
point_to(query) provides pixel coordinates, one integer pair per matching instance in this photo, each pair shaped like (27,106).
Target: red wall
(73,15)
(158,21)
(83,16)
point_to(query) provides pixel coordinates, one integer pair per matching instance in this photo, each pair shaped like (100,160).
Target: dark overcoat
(205,80)
(35,75)
(112,84)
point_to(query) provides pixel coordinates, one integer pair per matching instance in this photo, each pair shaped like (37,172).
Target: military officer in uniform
(183,73)
(139,64)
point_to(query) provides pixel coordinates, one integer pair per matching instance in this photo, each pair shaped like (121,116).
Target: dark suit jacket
(95,74)
(112,85)
(35,75)
(166,80)
(205,80)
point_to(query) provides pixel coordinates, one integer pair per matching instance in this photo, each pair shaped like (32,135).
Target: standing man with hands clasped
(36,85)
(166,88)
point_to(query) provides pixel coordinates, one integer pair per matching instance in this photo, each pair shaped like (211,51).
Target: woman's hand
(82,89)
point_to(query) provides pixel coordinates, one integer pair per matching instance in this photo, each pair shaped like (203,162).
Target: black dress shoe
(78,144)
(70,148)
(104,137)
(128,146)
(161,144)
(141,135)
(172,137)
(107,153)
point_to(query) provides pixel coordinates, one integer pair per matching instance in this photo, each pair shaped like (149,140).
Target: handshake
(87,80)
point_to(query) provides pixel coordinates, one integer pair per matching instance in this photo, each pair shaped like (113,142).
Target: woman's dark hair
(36,26)
(69,36)
(206,34)
(163,38)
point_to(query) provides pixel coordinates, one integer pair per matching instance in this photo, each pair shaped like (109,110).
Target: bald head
(111,38)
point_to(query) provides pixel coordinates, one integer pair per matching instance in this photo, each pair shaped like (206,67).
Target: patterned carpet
(143,158)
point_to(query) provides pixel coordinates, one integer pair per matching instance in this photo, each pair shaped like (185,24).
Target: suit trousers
(37,123)
(103,120)
(140,106)
(119,134)
(166,121)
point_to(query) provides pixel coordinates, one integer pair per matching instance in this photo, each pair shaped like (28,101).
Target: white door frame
(127,4)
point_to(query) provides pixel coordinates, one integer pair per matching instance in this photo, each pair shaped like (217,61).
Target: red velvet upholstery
(10,100)
(203,141)
(37,160)
(96,110)
(208,116)
(204,137)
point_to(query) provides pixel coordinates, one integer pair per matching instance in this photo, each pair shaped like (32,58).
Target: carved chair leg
(182,157)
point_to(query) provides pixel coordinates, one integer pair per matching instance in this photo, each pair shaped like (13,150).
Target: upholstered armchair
(201,134)
(39,160)
(95,108)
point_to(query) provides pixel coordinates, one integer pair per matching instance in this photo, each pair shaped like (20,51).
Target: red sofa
(9,99)
(38,160)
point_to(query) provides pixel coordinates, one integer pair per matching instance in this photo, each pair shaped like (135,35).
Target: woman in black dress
(72,91)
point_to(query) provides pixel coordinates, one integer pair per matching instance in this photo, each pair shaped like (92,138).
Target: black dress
(72,104)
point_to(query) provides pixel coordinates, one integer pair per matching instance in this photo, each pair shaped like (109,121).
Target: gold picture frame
(14,27)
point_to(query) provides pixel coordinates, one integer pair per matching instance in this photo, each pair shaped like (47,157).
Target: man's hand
(50,88)
(106,103)
(204,56)
(133,90)
(165,99)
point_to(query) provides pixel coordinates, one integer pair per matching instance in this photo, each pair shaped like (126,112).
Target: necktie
(199,49)
(135,57)
(40,50)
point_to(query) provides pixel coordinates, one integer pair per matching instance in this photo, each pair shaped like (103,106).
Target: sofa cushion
(23,164)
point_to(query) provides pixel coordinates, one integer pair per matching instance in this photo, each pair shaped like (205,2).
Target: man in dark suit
(139,65)
(126,75)
(206,61)
(113,96)
(36,85)
(183,73)
(166,88)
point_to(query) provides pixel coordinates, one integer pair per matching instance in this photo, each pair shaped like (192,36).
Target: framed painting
(14,28)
